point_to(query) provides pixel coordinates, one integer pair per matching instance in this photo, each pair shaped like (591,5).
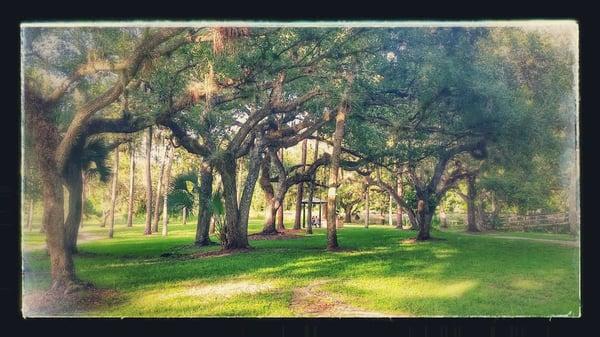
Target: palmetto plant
(182,191)
(94,159)
(218,209)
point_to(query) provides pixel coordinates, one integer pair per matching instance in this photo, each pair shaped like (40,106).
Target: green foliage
(182,192)
(89,209)
(94,159)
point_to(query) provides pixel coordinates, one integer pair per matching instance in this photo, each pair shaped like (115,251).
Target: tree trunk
(131,185)
(311,191)
(235,238)
(390,219)
(400,191)
(367,210)
(62,270)
(83,197)
(471,208)
(280,225)
(325,214)
(300,194)
(148,174)
(348,214)
(74,187)
(45,140)
(184,216)
(113,198)
(105,215)
(165,214)
(204,206)
(248,192)
(424,217)
(61,261)
(309,206)
(159,190)
(30,215)
(340,125)
(267,187)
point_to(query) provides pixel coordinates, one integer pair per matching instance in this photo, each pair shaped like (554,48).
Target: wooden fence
(555,222)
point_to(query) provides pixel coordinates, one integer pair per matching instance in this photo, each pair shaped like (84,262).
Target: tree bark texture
(340,125)
(113,197)
(300,194)
(165,228)
(148,174)
(131,185)
(204,206)
(159,189)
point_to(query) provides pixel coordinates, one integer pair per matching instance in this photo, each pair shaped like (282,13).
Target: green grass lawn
(458,275)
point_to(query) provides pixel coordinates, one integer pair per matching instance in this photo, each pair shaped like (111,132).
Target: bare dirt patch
(312,301)
(283,235)
(220,252)
(43,304)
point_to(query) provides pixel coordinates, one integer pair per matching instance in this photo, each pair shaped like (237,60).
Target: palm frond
(94,159)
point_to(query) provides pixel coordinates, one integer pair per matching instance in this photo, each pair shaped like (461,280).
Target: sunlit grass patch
(458,275)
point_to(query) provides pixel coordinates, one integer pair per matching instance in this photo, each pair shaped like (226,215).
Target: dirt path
(312,301)
(86,237)
(558,242)
(81,238)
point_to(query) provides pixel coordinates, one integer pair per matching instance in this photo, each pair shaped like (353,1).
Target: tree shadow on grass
(467,264)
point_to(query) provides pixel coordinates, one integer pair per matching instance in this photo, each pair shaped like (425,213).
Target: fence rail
(554,222)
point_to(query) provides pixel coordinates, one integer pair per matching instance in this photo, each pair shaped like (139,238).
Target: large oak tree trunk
(131,185)
(159,190)
(83,197)
(74,187)
(267,187)
(235,237)
(45,139)
(280,225)
(246,199)
(423,219)
(204,206)
(62,269)
(165,214)
(300,194)
(338,135)
(148,174)
(113,197)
